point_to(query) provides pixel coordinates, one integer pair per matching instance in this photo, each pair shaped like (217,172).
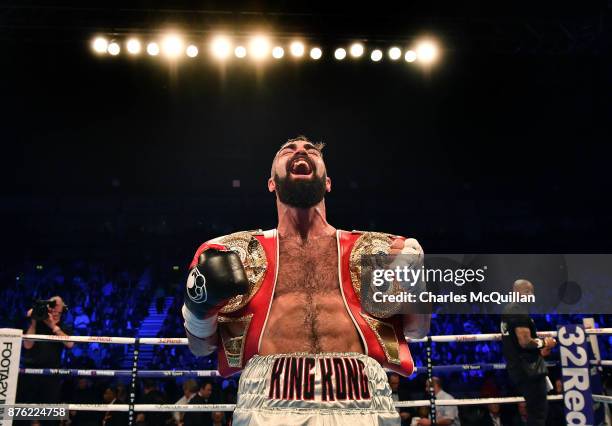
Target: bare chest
(310,267)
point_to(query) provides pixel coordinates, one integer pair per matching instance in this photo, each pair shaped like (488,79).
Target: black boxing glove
(216,275)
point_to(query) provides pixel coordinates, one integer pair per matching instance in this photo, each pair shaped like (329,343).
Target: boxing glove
(217,274)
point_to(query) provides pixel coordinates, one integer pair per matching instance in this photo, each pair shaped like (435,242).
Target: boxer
(283,307)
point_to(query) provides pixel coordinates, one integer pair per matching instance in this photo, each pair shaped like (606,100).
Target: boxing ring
(135,373)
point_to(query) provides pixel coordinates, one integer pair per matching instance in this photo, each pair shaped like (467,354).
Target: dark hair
(302,138)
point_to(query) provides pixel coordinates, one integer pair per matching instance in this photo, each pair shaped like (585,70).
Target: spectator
(152,395)
(81,320)
(494,417)
(190,389)
(113,418)
(422,413)
(200,418)
(445,414)
(218,418)
(108,289)
(522,418)
(84,394)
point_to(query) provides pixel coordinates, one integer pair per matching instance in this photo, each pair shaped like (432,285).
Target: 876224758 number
(34,412)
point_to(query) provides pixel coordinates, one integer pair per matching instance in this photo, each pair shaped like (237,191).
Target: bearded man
(283,307)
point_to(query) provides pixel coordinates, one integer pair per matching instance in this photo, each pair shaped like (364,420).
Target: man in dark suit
(494,416)
(204,418)
(113,418)
(152,395)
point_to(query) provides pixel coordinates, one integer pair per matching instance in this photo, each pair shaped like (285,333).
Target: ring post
(432,394)
(133,382)
(10,351)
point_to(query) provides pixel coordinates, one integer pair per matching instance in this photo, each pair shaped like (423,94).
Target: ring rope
(470,401)
(231,407)
(150,374)
(183,341)
(602,398)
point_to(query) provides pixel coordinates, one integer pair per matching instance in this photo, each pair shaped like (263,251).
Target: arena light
(172,46)
(410,56)
(133,46)
(240,51)
(427,52)
(192,51)
(278,52)
(395,53)
(221,47)
(297,49)
(114,48)
(376,55)
(100,45)
(340,54)
(316,53)
(153,49)
(356,50)
(259,47)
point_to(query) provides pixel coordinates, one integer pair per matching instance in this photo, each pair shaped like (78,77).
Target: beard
(302,194)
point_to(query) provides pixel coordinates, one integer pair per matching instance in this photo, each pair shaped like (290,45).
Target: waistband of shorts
(313,355)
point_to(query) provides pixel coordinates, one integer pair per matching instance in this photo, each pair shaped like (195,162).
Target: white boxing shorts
(329,389)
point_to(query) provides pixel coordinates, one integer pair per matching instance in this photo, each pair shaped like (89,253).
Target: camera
(40,310)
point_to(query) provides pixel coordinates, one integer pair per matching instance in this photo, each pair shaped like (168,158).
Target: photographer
(524,353)
(45,318)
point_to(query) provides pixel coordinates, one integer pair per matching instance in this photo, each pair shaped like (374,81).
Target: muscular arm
(523,335)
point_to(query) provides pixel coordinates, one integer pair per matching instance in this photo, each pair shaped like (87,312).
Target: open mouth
(300,166)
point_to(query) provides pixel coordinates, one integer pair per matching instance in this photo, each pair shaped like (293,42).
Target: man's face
(494,408)
(394,382)
(56,312)
(299,176)
(206,391)
(109,395)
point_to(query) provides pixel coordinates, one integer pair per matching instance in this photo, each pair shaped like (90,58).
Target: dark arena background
(115,168)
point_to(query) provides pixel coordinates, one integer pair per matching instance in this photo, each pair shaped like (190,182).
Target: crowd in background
(113,301)
(101,301)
